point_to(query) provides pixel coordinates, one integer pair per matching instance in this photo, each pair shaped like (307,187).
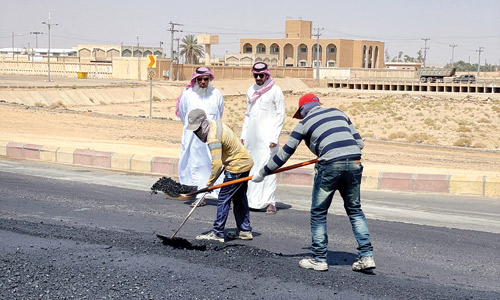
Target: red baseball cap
(303,100)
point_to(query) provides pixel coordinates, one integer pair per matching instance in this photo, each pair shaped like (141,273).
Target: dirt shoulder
(161,137)
(404,132)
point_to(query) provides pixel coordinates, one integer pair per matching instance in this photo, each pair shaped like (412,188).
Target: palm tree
(190,49)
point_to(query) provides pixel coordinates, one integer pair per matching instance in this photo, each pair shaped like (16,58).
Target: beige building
(298,49)
(107,52)
(414,66)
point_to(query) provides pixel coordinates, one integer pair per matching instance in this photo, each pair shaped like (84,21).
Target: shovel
(211,188)
(183,243)
(180,242)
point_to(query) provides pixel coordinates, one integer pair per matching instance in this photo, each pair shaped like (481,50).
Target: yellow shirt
(226,149)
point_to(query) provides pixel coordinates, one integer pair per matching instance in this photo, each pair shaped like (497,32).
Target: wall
(57,68)
(245,72)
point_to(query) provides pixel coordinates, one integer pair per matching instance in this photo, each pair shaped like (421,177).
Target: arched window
(247,48)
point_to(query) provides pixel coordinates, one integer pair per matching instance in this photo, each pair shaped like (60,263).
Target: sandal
(271,209)
(202,203)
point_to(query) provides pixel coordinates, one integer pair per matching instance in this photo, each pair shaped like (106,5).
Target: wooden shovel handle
(213,187)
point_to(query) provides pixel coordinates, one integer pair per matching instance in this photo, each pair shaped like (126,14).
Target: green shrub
(463,142)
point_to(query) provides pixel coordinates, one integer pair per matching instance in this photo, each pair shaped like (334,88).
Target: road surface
(72,232)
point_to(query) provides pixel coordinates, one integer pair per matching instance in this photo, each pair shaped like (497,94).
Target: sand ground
(456,134)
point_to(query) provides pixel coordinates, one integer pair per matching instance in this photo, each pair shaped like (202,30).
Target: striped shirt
(327,132)
(226,149)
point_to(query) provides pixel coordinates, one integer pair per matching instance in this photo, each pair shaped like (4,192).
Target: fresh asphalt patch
(59,261)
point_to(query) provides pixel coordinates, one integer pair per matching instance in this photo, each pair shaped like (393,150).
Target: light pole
(36,33)
(48,51)
(13,35)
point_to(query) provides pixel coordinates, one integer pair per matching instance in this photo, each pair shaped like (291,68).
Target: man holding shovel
(226,150)
(331,136)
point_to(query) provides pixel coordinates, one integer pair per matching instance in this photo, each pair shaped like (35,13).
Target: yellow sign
(152,61)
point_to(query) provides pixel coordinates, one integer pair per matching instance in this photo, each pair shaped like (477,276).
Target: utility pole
(177,59)
(48,52)
(317,51)
(425,48)
(172,31)
(138,59)
(19,34)
(12,45)
(481,49)
(452,52)
(161,43)
(36,33)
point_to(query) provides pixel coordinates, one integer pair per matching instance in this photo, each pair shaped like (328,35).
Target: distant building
(36,54)
(298,49)
(414,66)
(107,52)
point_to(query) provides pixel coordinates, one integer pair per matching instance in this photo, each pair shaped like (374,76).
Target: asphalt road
(71,232)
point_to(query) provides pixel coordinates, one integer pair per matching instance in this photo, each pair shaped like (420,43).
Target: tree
(190,49)
(420,56)
(399,57)
(408,58)
(387,56)
(463,66)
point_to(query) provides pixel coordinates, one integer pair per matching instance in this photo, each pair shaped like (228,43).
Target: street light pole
(19,34)
(36,33)
(48,52)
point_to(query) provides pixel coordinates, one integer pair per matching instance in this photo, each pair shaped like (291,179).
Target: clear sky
(401,24)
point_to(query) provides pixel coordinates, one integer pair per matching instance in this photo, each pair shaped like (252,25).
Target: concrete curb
(167,166)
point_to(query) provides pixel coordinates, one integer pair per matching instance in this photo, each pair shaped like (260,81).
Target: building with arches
(299,49)
(107,52)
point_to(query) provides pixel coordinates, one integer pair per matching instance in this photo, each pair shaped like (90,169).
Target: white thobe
(195,163)
(263,122)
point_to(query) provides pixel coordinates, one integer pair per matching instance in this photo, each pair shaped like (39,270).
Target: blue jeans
(344,176)
(238,193)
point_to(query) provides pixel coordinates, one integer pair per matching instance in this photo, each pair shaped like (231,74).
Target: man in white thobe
(260,133)
(195,162)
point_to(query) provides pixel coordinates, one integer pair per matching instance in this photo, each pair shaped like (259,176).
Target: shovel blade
(181,197)
(180,243)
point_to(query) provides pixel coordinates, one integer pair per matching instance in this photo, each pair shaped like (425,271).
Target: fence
(242,72)
(57,69)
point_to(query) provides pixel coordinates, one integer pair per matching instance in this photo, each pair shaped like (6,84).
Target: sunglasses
(260,75)
(199,79)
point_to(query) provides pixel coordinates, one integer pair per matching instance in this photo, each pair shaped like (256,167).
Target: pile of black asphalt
(171,187)
(57,261)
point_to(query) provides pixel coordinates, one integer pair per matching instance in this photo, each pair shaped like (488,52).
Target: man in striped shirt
(226,150)
(331,136)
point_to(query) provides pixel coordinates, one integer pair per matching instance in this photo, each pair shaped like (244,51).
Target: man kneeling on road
(330,135)
(226,150)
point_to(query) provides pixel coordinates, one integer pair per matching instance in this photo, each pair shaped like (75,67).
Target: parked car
(465,78)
